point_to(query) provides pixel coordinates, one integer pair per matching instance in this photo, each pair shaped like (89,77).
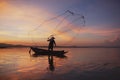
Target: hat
(52,38)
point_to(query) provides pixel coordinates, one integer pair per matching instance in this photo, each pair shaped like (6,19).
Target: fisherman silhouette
(51,43)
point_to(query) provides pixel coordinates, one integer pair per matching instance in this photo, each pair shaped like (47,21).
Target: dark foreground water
(79,64)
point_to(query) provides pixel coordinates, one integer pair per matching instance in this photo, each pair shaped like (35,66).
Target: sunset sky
(22,22)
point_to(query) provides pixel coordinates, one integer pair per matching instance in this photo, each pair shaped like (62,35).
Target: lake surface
(77,64)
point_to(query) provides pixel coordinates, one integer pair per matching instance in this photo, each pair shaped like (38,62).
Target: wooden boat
(40,51)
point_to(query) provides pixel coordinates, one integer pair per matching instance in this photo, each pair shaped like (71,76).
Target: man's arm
(48,39)
(54,43)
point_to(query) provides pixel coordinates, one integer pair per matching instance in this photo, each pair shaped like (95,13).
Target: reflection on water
(80,64)
(50,59)
(51,63)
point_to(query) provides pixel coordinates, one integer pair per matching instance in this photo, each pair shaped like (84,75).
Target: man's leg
(51,48)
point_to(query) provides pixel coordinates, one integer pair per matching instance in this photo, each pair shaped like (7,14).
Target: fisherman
(51,43)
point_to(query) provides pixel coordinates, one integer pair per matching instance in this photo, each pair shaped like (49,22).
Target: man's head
(52,38)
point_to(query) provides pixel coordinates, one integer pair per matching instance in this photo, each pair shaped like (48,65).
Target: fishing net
(64,27)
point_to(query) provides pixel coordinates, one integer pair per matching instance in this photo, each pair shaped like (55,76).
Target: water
(79,64)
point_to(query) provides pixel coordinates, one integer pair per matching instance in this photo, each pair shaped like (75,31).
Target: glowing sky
(19,21)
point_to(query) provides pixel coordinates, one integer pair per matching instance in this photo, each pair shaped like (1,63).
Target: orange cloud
(100,32)
(23,22)
(19,22)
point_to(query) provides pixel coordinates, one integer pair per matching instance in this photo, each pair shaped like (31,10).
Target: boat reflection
(51,66)
(38,55)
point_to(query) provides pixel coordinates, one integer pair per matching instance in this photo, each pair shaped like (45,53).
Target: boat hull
(40,51)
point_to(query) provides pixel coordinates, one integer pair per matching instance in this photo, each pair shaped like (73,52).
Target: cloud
(100,31)
(113,42)
(116,41)
(17,21)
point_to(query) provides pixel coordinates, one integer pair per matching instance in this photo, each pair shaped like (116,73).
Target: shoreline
(61,47)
